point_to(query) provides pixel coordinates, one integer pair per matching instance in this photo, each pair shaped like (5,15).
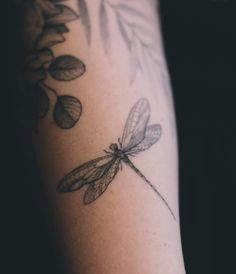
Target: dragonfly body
(117,152)
(120,154)
(99,173)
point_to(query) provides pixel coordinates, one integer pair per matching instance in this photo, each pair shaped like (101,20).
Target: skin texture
(129,229)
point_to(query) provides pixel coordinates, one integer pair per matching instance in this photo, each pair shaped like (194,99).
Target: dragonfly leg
(107,152)
(119,141)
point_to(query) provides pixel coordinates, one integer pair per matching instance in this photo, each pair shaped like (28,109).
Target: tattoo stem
(49,88)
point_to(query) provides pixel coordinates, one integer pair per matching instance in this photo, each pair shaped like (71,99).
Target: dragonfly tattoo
(100,172)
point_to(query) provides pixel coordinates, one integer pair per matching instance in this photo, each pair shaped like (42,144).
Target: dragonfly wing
(136,124)
(153,134)
(84,174)
(97,188)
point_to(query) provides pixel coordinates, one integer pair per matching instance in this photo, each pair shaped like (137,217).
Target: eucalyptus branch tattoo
(133,32)
(99,173)
(44,25)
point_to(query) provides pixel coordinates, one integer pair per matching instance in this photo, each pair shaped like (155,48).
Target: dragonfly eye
(113,147)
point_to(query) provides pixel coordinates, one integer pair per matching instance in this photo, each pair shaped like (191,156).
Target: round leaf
(67,111)
(66,68)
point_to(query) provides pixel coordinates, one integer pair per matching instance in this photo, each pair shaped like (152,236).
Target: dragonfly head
(113,147)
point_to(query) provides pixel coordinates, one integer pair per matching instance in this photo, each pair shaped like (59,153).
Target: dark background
(200,46)
(200,43)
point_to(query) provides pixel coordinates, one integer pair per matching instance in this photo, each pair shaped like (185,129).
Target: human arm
(104,62)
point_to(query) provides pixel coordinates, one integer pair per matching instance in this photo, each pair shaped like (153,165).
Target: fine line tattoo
(85,18)
(132,25)
(100,172)
(44,25)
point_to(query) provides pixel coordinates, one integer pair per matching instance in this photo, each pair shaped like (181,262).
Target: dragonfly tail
(129,163)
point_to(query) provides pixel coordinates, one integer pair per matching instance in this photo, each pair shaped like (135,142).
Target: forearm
(107,80)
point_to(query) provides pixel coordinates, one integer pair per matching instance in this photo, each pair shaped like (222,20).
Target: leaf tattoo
(124,32)
(66,68)
(124,7)
(49,38)
(104,27)
(44,25)
(65,15)
(67,111)
(85,18)
(130,21)
(39,60)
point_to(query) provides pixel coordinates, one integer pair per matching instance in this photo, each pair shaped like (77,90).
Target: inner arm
(96,71)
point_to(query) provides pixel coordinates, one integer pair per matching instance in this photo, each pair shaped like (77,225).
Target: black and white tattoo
(44,25)
(131,22)
(85,18)
(100,172)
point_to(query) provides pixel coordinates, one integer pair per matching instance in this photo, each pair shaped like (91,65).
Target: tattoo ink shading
(132,31)
(85,18)
(100,172)
(44,23)
(104,26)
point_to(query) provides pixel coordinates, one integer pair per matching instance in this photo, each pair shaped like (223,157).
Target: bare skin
(110,67)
